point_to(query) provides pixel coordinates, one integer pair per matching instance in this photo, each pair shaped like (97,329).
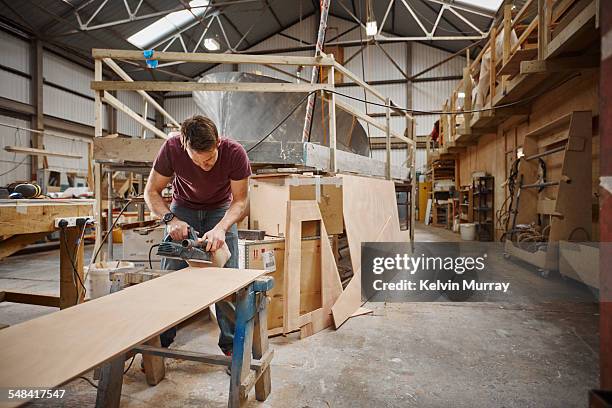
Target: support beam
(209,58)
(161,86)
(117,104)
(113,65)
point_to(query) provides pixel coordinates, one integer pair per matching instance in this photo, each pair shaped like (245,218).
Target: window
(492,5)
(164,26)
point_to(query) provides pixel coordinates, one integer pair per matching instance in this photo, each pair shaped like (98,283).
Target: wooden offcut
(370,215)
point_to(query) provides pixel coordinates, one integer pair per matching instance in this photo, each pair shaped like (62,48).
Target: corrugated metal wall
(127,125)
(67,95)
(430,96)
(15,55)
(68,144)
(10,168)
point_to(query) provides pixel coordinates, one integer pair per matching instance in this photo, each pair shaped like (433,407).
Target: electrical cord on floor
(89,381)
(124,373)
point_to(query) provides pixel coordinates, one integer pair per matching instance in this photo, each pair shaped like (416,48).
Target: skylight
(168,24)
(492,5)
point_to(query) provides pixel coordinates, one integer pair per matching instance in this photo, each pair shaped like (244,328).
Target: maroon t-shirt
(198,189)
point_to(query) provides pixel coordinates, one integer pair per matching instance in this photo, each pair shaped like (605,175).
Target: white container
(468,231)
(98,282)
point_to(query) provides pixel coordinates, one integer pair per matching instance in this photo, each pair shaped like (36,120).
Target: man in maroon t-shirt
(210,178)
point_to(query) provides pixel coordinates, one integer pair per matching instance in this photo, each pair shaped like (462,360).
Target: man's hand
(178,229)
(215,238)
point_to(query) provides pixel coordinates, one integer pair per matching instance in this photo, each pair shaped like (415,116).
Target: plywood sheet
(370,215)
(55,348)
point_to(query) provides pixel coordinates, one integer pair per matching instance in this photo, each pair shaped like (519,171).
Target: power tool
(189,249)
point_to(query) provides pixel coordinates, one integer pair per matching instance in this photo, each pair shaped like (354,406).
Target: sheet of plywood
(331,287)
(370,215)
(53,349)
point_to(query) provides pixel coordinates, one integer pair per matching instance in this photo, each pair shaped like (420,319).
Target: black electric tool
(187,250)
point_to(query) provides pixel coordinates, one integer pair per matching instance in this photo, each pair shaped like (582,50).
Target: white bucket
(468,231)
(98,282)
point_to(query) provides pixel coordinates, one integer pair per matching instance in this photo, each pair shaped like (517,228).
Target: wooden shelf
(561,122)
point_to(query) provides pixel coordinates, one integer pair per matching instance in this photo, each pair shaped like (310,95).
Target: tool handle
(194,243)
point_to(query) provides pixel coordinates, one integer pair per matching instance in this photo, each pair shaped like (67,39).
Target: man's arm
(235,213)
(156,183)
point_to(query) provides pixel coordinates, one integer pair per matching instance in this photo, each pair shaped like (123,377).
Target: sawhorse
(250,362)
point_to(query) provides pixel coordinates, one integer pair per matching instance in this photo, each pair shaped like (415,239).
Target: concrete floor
(523,354)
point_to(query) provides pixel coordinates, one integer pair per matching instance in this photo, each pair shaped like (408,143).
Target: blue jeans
(203,221)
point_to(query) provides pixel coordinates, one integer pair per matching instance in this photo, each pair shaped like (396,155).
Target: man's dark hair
(199,133)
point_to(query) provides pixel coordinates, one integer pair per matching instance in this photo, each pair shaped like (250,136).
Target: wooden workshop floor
(528,354)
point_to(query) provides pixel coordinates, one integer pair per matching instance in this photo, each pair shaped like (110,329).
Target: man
(210,177)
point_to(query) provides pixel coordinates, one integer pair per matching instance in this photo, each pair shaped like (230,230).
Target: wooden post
(605,203)
(388,140)
(453,117)
(36,91)
(333,165)
(110,384)
(71,258)
(542,29)
(97,166)
(467,100)
(145,108)
(507,35)
(492,73)
(155,369)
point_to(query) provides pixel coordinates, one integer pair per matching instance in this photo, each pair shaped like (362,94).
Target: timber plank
(53,349)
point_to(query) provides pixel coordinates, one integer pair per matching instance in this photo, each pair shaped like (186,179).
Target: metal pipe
(546,153)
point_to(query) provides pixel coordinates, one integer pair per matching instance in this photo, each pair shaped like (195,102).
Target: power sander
(189,249)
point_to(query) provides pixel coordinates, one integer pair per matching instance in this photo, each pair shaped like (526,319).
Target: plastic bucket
(98,281)
(468,231)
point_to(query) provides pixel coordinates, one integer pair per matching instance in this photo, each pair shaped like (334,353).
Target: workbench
(23,222)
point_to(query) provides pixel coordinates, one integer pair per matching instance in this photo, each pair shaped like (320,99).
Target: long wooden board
(53,349)
(370,215)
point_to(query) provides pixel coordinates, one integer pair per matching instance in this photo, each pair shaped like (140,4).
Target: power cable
(95,255)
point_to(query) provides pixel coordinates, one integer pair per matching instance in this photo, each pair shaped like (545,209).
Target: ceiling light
(211,44)
(371,28)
